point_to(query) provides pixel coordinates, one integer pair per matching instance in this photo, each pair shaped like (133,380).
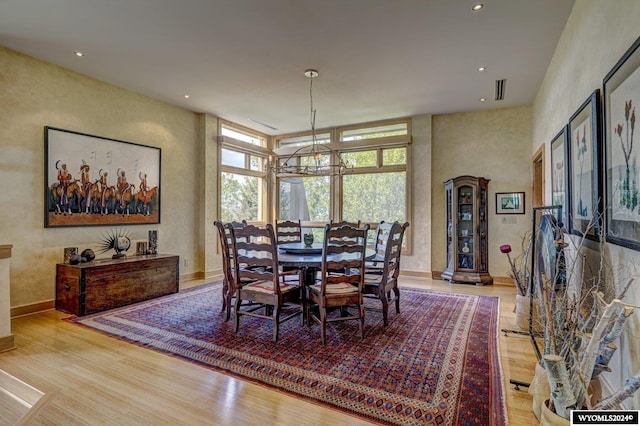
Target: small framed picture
(141,248)
(509,202)
(69,252)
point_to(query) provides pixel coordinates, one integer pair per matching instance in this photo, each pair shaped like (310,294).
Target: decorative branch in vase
(582,316)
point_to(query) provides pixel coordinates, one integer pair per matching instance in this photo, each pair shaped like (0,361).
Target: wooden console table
(96,286)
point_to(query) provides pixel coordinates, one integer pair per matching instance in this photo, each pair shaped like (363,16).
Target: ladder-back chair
(381,279)
(255,255)
(341,278)
(288,231)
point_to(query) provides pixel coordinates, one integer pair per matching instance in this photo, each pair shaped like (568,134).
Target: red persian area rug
(437,362)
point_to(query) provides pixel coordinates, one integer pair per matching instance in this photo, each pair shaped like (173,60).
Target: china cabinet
(466,213)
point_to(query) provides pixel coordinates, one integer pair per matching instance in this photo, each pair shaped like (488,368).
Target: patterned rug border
(497,389)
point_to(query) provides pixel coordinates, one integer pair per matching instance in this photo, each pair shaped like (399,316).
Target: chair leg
(276,322)
(307,308)
(225,289)
(228,298)
(396,290)
(236,324)
(323,323)
(385,307)
(303,303)
(361,322)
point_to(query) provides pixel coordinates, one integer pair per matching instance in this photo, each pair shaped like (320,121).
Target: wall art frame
(94,181)
(509,202)
(621,94)
(585,189)
(560,173)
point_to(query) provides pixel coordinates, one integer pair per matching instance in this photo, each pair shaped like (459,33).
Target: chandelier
(312,160)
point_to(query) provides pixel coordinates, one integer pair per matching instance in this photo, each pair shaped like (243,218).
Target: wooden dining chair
(344,222)
(375,261)
(288,231)
(255,255)
(341,278)
(382,277)
(229,282)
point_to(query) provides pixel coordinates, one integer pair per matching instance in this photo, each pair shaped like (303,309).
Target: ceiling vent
(500,87)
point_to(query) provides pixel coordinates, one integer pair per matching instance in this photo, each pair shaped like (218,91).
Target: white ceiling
(244,60)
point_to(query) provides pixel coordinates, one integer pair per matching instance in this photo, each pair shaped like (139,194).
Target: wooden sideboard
(96,286)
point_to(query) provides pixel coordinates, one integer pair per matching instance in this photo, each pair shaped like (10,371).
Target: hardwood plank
(102,380)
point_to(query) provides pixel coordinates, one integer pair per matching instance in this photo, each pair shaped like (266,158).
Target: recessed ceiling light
(483,99)
(477,7)
(78,53)
(482,68)
(186,96)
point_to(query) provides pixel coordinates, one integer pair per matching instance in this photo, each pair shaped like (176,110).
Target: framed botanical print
(584,171)
(621,92)
(560,174)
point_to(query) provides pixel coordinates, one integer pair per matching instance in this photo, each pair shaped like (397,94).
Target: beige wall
(597,34)
(494,144)
(420,227)
(34,94)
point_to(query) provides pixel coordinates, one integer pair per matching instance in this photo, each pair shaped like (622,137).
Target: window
(373,197)
(304,140)
(305,198)
(243,174)
(243,136)
(372,131)
(374,189)
(241,198)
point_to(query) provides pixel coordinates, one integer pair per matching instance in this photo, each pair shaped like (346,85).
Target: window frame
(248,149)
(339,147)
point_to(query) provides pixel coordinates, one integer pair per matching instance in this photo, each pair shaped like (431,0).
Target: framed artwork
(560,174)
(584,172)
(509,202)
(621,92)
(91,180)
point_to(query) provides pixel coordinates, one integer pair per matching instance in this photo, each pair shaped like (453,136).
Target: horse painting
(63,200)
(144,200)
(87,200)
(102,198)
(123,200)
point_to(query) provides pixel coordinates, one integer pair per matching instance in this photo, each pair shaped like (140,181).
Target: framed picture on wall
(92,180)
(621,92)
(584,181)
(560,173)
(509,202)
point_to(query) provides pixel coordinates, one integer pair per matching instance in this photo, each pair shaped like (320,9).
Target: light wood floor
(101,380)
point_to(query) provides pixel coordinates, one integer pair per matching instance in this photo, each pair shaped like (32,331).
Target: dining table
(300,255)
(308,258)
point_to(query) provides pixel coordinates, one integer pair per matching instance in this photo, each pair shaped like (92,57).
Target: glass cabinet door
(482,231)
(450,251)
(466,219)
